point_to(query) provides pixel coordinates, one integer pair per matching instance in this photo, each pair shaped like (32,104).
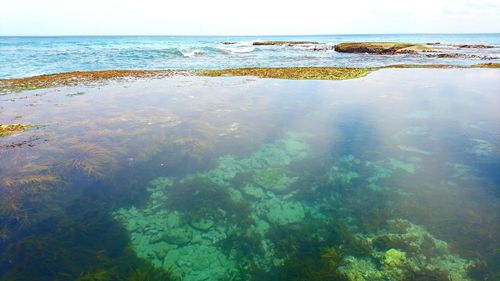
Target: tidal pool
(393,176)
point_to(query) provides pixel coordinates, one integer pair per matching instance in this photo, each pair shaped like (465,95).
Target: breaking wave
(192,53)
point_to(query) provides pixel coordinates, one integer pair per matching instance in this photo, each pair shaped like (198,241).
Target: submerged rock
(202,224)
(273,179)
(283,212)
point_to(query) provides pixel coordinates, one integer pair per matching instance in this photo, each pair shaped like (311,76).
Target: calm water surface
(389,177)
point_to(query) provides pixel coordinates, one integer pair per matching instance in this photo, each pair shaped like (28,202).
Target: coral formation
(403,250)
(186,219)
(194,225)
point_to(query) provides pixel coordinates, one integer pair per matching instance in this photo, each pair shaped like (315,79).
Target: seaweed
(300,73)
(10,129)
(147,272)
(81,241)
(79,77)
(199,199)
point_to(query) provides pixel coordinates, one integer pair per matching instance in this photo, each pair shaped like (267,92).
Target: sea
(389,177)
(30,56)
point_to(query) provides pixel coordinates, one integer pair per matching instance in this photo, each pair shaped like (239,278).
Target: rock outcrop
(381,48)
(476,46)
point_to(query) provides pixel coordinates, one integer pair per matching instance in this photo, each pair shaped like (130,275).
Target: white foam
(191,53)
(236,49)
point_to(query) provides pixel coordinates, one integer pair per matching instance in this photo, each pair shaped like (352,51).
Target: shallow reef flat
(295,73)
(310,73)
(257,198)
(79,77)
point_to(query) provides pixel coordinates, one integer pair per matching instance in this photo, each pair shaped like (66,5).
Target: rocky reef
(299,73)
(381,48)
(79,77)
(474,46)
(187,219)
(405,251)
(259,218)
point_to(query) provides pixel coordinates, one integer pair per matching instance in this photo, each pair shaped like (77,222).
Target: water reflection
(388,177)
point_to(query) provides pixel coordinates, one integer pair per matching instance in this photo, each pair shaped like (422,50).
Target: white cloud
(59,17)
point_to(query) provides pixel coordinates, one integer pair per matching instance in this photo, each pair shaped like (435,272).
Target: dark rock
(479,46)
(458,56)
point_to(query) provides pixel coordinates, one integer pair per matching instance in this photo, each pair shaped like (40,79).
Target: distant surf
(23,56)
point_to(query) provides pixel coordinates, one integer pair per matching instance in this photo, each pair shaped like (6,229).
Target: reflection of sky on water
(436,129)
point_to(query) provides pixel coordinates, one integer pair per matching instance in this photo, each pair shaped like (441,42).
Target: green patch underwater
(248,219)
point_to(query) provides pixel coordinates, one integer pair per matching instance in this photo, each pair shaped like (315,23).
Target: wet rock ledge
(79,77)
(382,48)
(298,73)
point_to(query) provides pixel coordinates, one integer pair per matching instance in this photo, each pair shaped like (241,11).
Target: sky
(256,17)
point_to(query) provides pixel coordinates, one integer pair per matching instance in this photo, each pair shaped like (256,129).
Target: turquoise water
(29,56)
(238,178)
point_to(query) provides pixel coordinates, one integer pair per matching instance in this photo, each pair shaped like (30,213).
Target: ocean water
(237,178)
(29,56)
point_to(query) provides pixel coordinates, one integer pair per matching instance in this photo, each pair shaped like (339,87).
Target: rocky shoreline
(296,73)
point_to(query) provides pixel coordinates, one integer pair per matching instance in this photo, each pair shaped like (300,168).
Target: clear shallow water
(29,56)
(255,179)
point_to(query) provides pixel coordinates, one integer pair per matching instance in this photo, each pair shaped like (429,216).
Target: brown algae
(294,73)
(10,129)
(298,73)
(78,77)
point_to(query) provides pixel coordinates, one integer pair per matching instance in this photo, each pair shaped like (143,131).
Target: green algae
(192,224)
(186,219)
(79,77)
(298,73)
(76,94)
(273,179)
(487,65)
(405,250)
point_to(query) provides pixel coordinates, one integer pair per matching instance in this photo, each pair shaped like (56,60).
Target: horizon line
(249,35)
